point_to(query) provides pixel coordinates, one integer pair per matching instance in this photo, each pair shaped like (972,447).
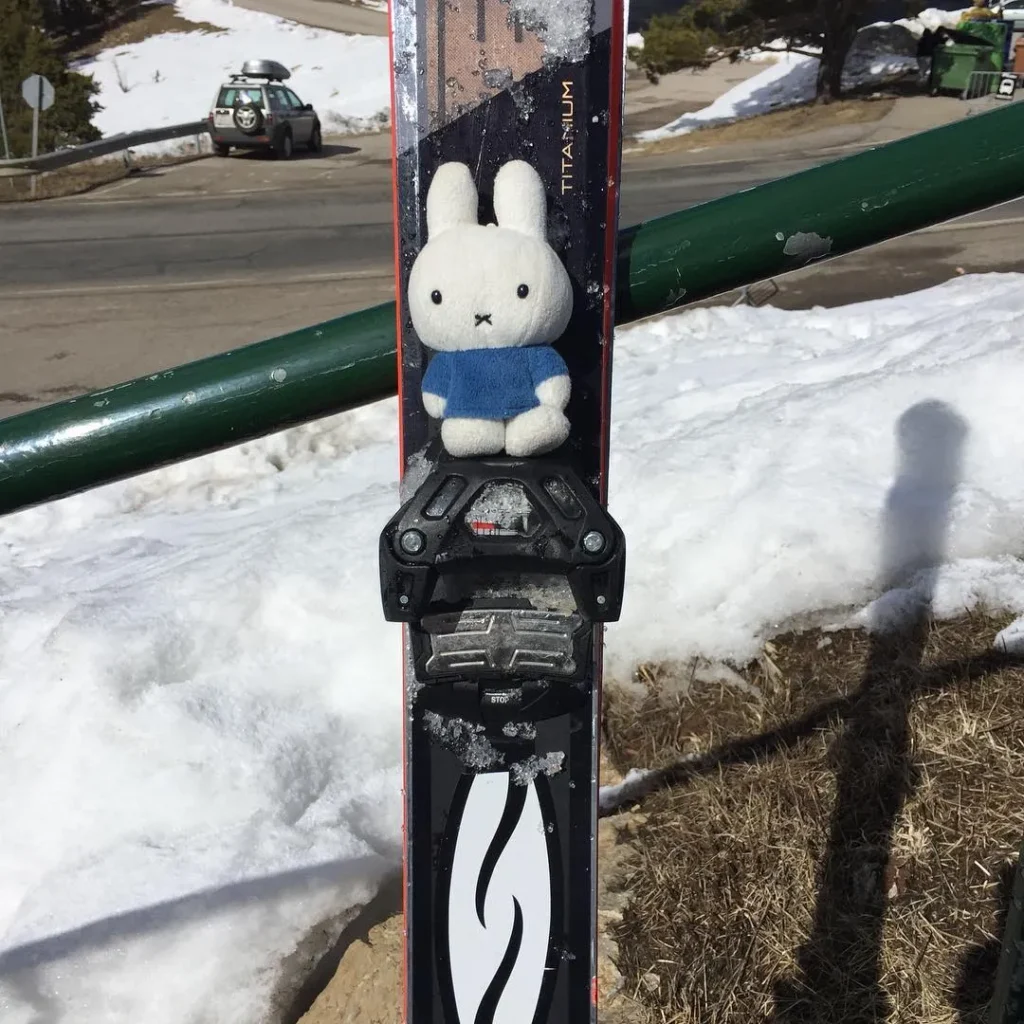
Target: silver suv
(255,111)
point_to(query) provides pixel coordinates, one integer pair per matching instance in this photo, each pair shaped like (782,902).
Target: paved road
(267,234)
(212,255)
(336,15)
(327,216)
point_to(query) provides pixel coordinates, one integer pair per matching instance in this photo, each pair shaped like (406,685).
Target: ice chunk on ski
(520,730)
(524,772)
(464,739)
(468,741)
(563,26)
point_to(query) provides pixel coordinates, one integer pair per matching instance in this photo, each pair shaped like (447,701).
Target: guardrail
(102,147)
(760,233)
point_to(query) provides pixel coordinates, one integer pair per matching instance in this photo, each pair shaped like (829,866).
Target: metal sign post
(38,94)
(3,131)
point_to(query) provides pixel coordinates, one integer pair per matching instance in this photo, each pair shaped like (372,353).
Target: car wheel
(248,119)
(284,147)
(316,140)
(220,149)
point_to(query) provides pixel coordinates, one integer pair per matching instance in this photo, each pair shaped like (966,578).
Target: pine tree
(70,22)
(830,25)
(700,33)
(25,49)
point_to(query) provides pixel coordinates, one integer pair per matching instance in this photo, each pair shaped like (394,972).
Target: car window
(278,99)
(294,100)
(234,95)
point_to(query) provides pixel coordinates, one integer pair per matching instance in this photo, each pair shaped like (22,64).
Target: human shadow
(980,964)
(839,966)
(919,495)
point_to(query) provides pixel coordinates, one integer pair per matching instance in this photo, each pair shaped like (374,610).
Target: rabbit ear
(451,199)
(519,201)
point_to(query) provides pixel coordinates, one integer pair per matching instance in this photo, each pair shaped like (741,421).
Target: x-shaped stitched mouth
(482,318)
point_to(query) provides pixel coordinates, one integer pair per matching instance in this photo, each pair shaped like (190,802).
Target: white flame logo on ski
(499,911)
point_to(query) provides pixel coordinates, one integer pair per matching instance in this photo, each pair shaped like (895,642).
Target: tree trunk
(839,27)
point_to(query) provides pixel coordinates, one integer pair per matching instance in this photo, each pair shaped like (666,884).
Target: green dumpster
(994,33)
(953,65)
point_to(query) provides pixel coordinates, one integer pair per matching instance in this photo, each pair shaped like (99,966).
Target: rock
(881,54)
(367,986)
(884,38)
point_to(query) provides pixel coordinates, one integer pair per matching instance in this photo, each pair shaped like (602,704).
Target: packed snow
(200,703)
(173,77)
(931,19)
(790,78)
(786,81)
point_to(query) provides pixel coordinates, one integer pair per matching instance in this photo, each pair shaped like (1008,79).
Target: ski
(502,561)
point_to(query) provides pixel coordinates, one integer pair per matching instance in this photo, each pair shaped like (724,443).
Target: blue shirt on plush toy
(491,383)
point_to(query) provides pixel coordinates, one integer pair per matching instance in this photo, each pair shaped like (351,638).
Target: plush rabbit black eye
(522,291)
(435,297)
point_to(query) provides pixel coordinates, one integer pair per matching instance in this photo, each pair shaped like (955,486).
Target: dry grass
(834,845)
(791,121)
(84,177)
(143,22)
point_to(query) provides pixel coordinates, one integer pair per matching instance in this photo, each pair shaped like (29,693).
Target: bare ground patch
(141,23)
(832,834)
(84,177)
(808,117)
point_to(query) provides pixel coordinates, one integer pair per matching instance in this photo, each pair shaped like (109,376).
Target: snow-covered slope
(200,706)
(790,79)
(173,77)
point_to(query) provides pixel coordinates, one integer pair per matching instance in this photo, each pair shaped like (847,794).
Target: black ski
(503,566)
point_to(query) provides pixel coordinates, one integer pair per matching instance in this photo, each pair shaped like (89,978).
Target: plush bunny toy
(490,300)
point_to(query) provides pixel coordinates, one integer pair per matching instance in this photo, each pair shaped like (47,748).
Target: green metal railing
(765,231)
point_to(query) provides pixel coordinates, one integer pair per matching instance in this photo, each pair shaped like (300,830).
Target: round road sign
(38,92)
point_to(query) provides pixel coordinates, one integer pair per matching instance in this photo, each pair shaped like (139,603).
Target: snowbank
(757,492)
(174,77)
(790,78)
(931,19)
(199,701)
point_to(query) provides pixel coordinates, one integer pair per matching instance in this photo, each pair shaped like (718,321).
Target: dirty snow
(790,79)
(200,703)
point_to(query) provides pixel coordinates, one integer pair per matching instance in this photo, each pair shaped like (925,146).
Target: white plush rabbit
(490,300)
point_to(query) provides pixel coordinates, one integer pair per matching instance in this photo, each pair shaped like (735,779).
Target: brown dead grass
(84,177)
(143,22)
(808,117)
(832,846)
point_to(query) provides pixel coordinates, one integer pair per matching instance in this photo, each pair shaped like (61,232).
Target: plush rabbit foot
(465,438)
(535,432)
